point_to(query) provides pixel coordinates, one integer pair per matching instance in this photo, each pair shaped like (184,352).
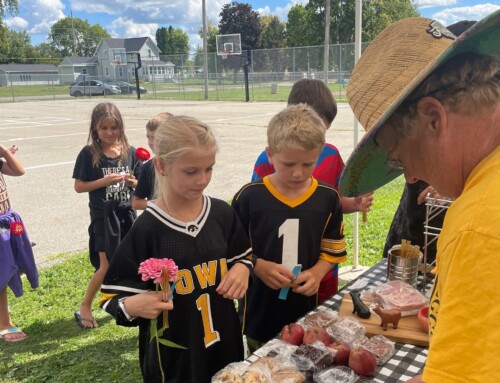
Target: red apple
(316,333)
(342,351)
(292,333)
(423,317)
(362,361)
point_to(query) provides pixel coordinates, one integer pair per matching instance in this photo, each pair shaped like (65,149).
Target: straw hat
(400,58)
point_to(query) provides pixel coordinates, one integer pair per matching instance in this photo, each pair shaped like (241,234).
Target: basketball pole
(205,49)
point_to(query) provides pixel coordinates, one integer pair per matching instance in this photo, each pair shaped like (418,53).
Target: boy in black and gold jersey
(291,219)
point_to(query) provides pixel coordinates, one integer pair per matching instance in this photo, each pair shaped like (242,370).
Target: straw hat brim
(387,74)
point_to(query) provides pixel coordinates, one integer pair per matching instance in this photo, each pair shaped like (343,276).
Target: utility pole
(73,33)
(326,53)
(205,49)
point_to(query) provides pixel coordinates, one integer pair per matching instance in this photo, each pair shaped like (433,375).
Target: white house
(118,58)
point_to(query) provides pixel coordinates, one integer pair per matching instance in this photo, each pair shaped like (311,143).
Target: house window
(120,71)
(149,52)
(84,71)
(150,70)
(107,72)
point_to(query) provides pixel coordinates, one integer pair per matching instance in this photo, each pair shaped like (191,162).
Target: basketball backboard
(228,44)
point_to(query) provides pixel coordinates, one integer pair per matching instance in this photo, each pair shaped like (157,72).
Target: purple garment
(16,256)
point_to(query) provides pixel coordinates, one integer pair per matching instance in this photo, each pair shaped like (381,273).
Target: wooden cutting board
(408,331)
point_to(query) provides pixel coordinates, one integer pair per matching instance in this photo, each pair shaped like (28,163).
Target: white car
(92,88)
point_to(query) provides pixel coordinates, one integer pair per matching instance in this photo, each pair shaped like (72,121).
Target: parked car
(128,88)
(92,88)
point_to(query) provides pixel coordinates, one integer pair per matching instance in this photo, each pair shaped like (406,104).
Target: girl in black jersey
(103,169)
(207,242)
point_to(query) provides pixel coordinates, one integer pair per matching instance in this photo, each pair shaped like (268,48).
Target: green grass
(58,351)
(190,90)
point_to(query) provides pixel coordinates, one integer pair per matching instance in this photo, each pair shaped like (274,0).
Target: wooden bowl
(423,318)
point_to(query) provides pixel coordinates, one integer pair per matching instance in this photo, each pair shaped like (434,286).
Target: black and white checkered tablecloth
(408,360)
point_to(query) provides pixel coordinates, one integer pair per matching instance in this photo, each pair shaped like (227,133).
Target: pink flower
(152,268)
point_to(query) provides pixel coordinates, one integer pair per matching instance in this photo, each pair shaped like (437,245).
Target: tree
(241,18)
(10,7)
(212,32)
(18,49)
(306,25)
(273,32)
(75,37)
(172,41)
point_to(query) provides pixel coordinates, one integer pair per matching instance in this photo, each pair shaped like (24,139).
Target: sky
(138,18)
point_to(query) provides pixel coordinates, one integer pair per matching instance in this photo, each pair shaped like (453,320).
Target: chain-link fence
(271,74)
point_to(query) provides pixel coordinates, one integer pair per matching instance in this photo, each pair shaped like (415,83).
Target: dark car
(128,88)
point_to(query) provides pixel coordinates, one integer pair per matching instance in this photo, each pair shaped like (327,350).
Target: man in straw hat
(430,104)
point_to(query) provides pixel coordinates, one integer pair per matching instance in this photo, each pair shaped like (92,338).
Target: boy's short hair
(297,126)
(317,95)
(153,124)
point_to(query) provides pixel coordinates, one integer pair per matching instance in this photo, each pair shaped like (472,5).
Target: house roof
(28,68)
(131,45)
(156,63)
(81,60)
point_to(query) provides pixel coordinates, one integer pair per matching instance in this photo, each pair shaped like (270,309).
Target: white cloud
(17,23)
(281,12)
(38,16)
(125,28)
(476,12)
(434,3)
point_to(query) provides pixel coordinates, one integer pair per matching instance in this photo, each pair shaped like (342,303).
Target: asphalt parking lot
(50,134)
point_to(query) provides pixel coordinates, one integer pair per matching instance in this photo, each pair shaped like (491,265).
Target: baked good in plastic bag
(339,374)
(269,363)
(312,357)
(397,295)
(381,347)
(321,318)
(288,375)
(347,329)
(280,350)
(231,373)
(255,376)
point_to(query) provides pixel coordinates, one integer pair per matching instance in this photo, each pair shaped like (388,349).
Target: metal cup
(403,269)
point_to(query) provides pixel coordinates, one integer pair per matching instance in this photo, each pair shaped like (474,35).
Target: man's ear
(269,155)
(432,114)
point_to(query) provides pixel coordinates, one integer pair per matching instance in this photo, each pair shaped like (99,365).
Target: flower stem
(165,286)
(159,360)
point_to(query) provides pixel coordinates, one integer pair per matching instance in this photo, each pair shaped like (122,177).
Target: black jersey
(289,232)
(85,171)
(146,181)
(202,320)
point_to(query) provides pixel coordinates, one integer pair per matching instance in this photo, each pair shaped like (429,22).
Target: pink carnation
(152,268)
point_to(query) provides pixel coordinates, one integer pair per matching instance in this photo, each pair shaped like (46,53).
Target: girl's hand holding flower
(147,305)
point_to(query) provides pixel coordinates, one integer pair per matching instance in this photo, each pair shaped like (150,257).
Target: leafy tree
(46,50)
(75,37)
(18,49)
(297,26)
(212,32)
(241,18)
(273,32)
(305,24)
(10,7)
(172,41)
